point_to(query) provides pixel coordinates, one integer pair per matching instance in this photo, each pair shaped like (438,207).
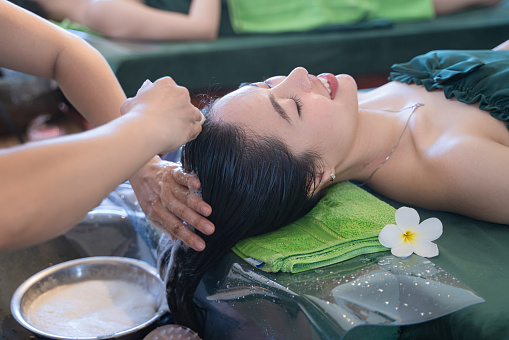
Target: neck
(382,127)
(413,108)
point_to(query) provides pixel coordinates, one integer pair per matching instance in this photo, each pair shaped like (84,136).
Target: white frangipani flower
(407,236)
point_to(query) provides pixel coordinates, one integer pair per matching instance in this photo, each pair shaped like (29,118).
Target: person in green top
(178,20)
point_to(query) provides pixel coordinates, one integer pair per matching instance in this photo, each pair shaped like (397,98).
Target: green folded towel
(345,223)
(276,16)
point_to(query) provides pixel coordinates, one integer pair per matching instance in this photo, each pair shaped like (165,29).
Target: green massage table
(473,254)
(363,49)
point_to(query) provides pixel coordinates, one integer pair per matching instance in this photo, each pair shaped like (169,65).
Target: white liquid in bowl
(91,308)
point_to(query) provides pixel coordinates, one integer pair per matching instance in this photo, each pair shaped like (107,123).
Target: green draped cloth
(477,76)
(345,223)
(276,16)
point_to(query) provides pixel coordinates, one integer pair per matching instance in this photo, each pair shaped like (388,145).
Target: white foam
(91,308)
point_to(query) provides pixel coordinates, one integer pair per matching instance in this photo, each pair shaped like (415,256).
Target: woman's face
(304,111)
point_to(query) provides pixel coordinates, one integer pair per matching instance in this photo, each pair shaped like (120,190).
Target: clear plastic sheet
(117,227)
(377,289)
(237,299)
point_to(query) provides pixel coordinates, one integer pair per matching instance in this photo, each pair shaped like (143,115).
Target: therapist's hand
(165,194)
(165,108)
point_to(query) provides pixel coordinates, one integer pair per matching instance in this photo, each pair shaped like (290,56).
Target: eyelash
(295,98)
(298,102)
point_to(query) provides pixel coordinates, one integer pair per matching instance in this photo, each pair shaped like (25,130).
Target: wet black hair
(254,185)
(32,6)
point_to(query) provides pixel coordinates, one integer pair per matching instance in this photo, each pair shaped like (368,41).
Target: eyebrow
(278,108)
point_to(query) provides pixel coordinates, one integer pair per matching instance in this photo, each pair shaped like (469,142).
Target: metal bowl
(91,268)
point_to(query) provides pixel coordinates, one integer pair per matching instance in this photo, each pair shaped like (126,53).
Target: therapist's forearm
(64,178)
(92,88)
(81,72)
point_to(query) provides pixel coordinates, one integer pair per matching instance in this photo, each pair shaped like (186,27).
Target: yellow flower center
(408,236)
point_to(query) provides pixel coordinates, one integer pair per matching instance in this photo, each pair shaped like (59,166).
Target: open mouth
(330,82)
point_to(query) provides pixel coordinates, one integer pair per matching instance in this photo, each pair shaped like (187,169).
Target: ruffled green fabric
(470,76)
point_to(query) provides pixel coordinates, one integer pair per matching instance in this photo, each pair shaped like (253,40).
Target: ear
(323,179)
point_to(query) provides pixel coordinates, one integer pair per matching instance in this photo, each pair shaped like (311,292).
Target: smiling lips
(330,82)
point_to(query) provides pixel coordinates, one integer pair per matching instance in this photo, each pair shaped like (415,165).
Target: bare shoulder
(470,178)
(456,160)
(467,175)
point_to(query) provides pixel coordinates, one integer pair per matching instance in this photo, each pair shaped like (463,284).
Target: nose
(300,74)
(299,71)
(299,77)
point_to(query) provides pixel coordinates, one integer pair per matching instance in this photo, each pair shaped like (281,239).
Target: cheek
(327,117)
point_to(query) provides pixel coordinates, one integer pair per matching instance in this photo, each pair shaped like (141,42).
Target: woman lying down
(435,137)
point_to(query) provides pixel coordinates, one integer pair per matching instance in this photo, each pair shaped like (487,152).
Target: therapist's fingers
(167,203)
(174,228)
(145,84)
(185,204)
(146,183)
(188,180)
(167,110)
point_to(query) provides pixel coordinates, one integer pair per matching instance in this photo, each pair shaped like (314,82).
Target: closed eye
(275,104)
(298,103)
